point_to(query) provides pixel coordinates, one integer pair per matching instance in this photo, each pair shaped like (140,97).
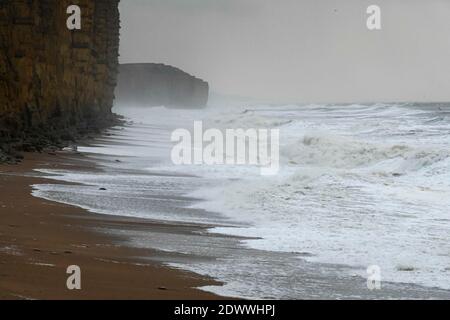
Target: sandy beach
(39,239)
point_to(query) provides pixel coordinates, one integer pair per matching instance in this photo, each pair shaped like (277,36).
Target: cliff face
(148,84)
(55,82)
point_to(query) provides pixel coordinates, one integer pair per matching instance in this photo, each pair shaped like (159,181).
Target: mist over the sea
(301,51)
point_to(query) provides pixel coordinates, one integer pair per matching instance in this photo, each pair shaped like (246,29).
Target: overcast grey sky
(297,50)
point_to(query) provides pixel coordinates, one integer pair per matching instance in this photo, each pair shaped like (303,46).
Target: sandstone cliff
(55,83)
(148,84)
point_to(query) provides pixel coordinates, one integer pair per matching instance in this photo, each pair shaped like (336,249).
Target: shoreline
(39,239)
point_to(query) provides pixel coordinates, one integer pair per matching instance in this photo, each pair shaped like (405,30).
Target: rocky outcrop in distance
(150,84)
(55,84)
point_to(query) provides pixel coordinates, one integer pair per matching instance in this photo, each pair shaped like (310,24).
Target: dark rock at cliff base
(149,84)
(55,84)
(3,157)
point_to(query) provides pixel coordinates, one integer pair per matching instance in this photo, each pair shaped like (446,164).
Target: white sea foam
(350,196)
(359,185)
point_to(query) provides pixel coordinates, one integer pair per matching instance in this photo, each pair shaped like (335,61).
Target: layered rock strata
(55,84)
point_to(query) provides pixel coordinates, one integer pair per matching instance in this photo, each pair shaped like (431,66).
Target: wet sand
(39,239)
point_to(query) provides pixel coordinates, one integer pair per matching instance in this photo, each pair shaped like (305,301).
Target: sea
(360,186)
